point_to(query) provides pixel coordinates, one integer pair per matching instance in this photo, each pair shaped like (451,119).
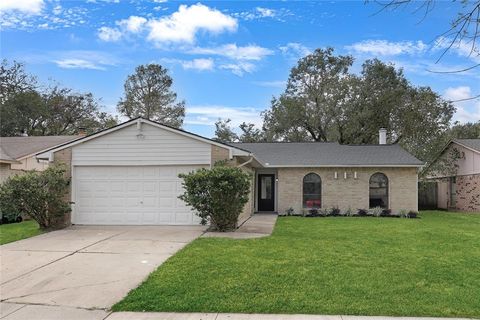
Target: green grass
(17,231)
(359,266)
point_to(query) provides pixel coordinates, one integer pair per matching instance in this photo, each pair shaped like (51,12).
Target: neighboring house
(459,187)
(17,154)
(128,174)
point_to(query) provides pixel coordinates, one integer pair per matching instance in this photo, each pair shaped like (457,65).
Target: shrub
(39,195)
(334,212)
(403,213)
(412,214)
(386,213)
(218,194)
(362,212)
(290,212)
(376,212)
(347,213)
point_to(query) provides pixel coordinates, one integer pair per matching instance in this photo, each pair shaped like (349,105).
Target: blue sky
(227,58)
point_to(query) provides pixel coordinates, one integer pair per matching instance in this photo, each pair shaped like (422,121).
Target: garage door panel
(131,195)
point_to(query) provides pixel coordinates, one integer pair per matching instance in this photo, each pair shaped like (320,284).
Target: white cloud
(239,68)
(209,114)
(199,64)
(387,48)
(232,51)
(457,93)
(109,34)
(195,64)
(265,12)
(82,59)
(23,6)
(78,64)
(462,48)
(294,50)
(468,110)
(133,24)
(183,25)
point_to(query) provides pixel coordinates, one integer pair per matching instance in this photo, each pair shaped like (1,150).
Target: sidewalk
(237,316)
(257,226)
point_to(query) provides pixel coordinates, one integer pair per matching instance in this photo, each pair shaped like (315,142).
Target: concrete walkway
(80,272)
(239,316)
(257,226)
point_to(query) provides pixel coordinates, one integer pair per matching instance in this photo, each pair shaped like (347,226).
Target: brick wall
(468,193)
(348,193)
(219,154)
(65,156)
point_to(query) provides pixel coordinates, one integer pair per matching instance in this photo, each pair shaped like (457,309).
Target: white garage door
(133,195)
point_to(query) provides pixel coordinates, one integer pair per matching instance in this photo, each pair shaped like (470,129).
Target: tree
(224,132)
(218,195)
(306,109)
(39,195)
(350,108)
(45,111)
(148,94)
(56,111)
(250,133)
(14,79)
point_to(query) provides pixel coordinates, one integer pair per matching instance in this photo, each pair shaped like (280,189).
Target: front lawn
(17,231)
(359,266)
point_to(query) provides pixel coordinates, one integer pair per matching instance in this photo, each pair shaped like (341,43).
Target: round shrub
(218,195)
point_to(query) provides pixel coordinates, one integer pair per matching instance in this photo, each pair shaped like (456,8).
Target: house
(128,174)
(17,154)
(458,186)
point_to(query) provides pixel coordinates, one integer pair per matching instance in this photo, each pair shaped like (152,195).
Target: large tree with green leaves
(148,94)
(30,108)
(324,101)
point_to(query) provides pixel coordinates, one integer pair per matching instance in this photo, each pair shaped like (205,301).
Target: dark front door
(266,192)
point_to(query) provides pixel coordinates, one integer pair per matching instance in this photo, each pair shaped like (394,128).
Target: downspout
(246,162)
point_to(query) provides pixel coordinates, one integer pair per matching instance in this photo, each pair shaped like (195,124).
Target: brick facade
(468,193)
(65,156)
(348,193)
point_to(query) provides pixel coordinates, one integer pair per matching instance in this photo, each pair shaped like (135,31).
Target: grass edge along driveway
(17,231)
(356,266)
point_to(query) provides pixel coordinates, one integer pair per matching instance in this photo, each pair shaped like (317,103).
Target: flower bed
(336,212)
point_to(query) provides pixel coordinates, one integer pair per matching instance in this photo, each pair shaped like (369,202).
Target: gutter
(246,162)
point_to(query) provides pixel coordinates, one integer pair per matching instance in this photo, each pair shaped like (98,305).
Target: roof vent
(382,136)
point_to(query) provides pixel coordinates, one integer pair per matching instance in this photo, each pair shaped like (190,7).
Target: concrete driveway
(82,267)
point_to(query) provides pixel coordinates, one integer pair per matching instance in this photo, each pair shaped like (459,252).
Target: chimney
(82,131)
(382,136)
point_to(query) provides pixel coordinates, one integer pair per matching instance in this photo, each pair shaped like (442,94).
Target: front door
(266,192)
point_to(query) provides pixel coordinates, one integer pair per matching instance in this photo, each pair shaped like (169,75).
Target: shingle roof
(17,147)
(5,157)
(329,154)
(471,143)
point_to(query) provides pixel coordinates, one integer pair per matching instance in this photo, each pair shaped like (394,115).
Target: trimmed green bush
(39,195)
(218,195)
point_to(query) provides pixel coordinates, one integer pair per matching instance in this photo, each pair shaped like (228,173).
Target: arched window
(379,190)
(312,191)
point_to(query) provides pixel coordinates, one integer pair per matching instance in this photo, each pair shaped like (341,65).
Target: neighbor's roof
(18,147)
(469,143)
(5,157)
(293,154)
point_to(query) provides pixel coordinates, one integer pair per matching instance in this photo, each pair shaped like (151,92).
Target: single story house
(459,188)
(128,174)
(17,154)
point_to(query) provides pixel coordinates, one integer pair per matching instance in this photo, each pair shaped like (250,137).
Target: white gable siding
(158,147)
